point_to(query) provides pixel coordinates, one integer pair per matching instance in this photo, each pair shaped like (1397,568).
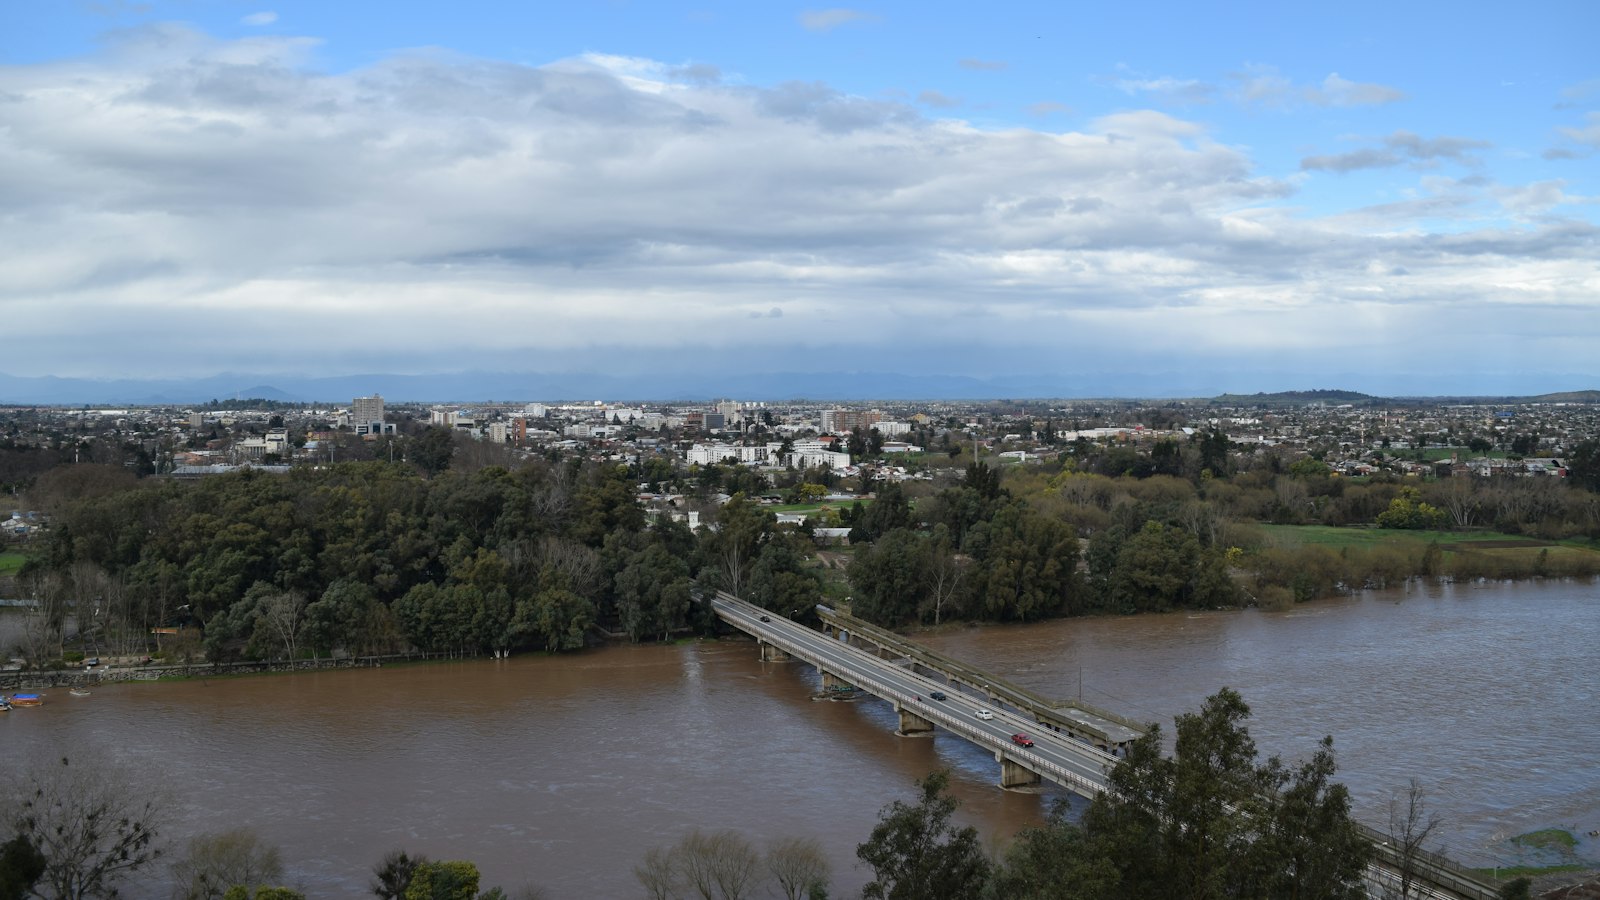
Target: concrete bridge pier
(771,653)
(1014,774)
(912,724)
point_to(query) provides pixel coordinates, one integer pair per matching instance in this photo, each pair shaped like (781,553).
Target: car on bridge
(1022,740)
(984,714)
(938,695)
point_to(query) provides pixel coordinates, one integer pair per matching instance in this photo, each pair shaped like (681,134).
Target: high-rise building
(366,410)
(844,421)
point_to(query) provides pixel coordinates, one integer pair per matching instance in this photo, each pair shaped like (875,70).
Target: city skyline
(1192,202)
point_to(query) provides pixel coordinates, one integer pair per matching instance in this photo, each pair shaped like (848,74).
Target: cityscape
(726,451)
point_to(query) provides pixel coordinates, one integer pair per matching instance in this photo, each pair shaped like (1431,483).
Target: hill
(1294,398)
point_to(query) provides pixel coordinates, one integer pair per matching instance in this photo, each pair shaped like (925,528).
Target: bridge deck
(1071,715)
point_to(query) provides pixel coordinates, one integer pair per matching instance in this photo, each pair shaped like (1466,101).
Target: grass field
(10,562)
(1337,537)
(1510,554)
(814,507)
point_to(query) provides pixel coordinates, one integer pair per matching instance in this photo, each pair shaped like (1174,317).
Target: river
(561,772)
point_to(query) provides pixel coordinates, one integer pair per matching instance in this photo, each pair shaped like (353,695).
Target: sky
(1266,196)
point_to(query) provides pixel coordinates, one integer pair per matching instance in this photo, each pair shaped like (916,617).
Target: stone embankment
(86,677)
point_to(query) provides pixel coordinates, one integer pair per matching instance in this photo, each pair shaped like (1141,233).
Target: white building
(814,458)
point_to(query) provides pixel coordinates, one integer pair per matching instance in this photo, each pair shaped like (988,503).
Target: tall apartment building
(843,421)
(366,410)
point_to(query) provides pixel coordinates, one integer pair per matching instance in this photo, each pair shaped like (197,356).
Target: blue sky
(1256,195)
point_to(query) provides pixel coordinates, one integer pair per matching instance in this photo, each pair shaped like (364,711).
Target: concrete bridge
(1066,751)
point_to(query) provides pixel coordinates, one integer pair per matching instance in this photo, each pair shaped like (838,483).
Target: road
(1063,760)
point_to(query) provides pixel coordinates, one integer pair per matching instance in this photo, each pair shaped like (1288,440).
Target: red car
(1022,739)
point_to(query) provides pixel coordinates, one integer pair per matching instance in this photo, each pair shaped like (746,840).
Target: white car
(984,714)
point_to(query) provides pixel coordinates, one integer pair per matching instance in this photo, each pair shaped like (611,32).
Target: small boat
(26,700)
(4,706)
(79,692)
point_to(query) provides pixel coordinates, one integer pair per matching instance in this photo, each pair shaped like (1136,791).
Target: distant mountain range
(468,387)
(1294,398)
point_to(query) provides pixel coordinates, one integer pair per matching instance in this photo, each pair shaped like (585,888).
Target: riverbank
(69,678)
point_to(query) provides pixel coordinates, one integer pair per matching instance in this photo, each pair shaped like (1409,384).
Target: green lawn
(814,507)
(1336,537)
(10,562)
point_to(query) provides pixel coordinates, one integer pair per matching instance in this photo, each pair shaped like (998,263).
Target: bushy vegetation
(373,557)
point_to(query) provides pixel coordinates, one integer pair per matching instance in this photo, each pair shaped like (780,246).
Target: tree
(916,853)
(1583,465)
(717,866)
(432,450)
(1055,861)
(283,614)
(392,874)
(798,865)
(90,824)
(21,864)
(1212,823)
(216,862)
(443,880)
(741,529)
(1410,827)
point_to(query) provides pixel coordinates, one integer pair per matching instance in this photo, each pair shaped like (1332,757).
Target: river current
(561,772)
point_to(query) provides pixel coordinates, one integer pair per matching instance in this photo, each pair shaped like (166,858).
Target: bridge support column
(770,653)
(912,724)
(1014,774)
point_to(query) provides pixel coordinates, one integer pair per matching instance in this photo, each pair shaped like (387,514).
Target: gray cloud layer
(187,205)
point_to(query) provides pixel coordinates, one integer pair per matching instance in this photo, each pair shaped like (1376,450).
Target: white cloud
(1587,134)
(260,18)
(210,203)
(1164,88)
(1399,147)
(1262,85)
(828,19)
(1337,91)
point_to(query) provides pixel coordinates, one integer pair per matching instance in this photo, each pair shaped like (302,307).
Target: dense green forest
(552,553)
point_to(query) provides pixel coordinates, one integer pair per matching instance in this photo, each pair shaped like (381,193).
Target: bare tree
(1460,498)
(216,862)
(93,825)
(44,628)
(658,874)
(718,866)
(581,565)
(798,865)
(1410,827)
(284,614)
(944,575)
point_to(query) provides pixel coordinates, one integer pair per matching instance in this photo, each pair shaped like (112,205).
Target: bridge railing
(861,678)
(1015,694)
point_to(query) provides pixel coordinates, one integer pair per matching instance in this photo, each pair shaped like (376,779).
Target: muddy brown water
(562,771)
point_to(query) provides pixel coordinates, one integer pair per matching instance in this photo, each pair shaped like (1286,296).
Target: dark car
(766,618)
(938,695)
(1022,739)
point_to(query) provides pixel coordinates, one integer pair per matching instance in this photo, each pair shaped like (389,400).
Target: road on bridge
(1057,758)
